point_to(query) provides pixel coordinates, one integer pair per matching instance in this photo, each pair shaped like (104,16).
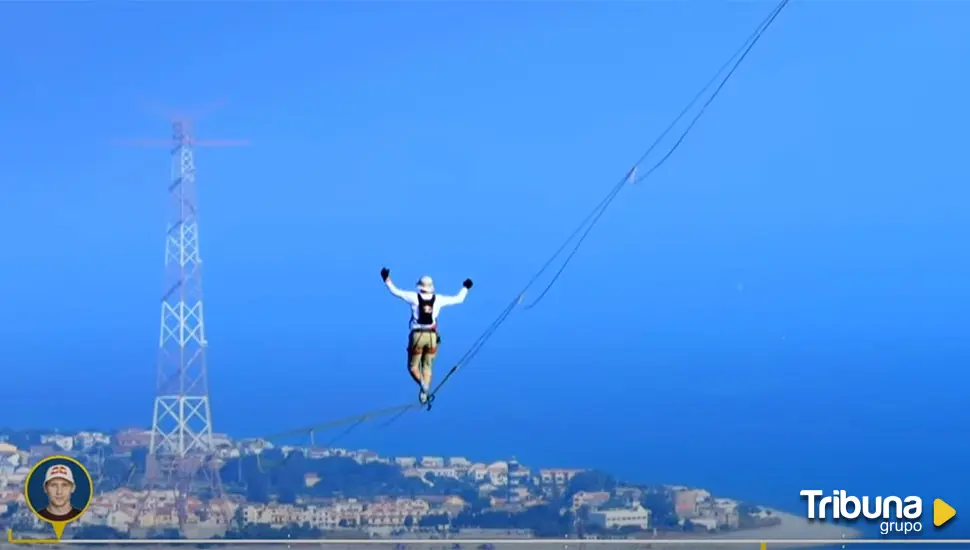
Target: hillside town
(426,494)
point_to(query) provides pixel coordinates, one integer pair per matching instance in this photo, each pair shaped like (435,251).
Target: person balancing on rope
(424,340)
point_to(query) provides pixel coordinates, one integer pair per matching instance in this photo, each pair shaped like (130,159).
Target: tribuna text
(839,505)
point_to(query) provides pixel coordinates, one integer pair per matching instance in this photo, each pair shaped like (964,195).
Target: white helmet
(426,285)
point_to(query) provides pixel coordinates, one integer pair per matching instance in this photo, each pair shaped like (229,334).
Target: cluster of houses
(508,485)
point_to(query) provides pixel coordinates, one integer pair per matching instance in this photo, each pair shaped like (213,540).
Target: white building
(557,476)
(498,473)
(708,523)
(64,442)
(86,440)
(439,472)
(11,458)
(636,516)
(221,440)
(478,472)
(255,446)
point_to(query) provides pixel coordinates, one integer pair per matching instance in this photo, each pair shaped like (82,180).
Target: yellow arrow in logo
(942,512)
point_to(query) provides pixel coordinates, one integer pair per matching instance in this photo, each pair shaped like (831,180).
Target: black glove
(467,283)
(385,273)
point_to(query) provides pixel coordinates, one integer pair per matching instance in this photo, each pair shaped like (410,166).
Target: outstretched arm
(456,299)
(408,296)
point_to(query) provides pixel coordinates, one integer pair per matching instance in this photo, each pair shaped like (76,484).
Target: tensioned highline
(633,175)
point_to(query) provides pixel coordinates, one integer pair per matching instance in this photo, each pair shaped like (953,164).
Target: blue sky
(791,286)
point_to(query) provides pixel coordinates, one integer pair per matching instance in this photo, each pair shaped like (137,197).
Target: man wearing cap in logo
(423,341)
(59,486)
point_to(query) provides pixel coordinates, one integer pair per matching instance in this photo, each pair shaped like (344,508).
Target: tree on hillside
(434,520)
(287,494)
(447,485)
(590,481)
(238,518)
(139,459)
(257,488)
(545,520)
(661,507)
(745,508)
(116,472)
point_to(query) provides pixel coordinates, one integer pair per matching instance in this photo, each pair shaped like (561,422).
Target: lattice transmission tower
(182,464)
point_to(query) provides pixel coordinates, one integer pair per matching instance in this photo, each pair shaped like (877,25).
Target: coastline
(791,527)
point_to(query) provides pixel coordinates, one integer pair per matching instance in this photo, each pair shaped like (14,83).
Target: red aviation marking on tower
(188,141)
(183,126)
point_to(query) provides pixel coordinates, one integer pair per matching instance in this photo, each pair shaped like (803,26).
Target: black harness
(426,312)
